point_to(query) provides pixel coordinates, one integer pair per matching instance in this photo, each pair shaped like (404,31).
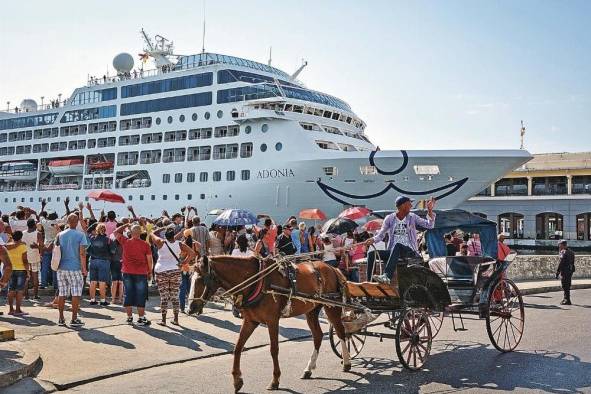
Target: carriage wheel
(435,321)
(413,339)
(506,317)
(355,342)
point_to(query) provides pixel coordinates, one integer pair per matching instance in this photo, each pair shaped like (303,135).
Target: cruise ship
(216,131)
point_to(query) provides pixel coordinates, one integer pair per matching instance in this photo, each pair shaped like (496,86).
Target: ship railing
(17,172)
(53,104)
(62,186)
(134,74)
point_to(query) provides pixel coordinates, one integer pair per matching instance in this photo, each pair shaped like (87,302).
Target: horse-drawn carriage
(423,293)
(414,304)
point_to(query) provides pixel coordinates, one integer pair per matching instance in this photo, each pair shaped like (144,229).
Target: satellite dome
(28,105)
(123,63)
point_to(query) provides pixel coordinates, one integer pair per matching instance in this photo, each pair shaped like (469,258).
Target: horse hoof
(346,367)
(307,375)
(238,383)
(273,386)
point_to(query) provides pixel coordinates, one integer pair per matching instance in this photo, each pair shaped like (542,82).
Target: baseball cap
(401,200)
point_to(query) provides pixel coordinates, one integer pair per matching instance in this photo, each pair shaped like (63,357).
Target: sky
(422,74)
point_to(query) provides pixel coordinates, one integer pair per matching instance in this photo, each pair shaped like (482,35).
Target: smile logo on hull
(340,196)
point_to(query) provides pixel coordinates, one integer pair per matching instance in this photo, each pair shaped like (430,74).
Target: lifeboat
(18,171)
(66,167)
(101,165)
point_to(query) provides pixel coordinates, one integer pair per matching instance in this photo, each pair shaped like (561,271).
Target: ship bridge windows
(167,85)
(179,135)
(226,151)
(200,134)
(28,121)
(67,131)
(150,156)
(127,158)
(166,104)
(199,153)
(327,145)
(78,115)
(129,140)
(152,138)
(173,155)
(227,131)
(106,142)
(135,123)
(246,150)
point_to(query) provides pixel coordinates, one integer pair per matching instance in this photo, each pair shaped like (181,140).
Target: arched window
(584,226)
(549,225)
(511,225)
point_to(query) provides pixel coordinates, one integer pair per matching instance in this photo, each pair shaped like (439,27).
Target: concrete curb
(550,289)
(27,365)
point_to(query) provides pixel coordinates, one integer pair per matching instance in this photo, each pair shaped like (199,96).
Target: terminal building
(548,198)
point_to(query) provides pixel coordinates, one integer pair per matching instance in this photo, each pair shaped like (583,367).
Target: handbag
(56,255)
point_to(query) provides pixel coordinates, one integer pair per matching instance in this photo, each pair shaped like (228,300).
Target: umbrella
(106,195)
(355,213)
(235,217)
(312,214)
(215,212)
(338,226)
(373,225)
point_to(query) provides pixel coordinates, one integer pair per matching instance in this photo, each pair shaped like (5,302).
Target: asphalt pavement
(554,356)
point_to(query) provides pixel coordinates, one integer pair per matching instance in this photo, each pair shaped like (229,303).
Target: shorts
(17,281)
(35,267)
(70,283)
(136,290)
(99,270)
(116,274)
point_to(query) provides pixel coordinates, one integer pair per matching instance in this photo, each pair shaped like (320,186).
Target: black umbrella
(339,226)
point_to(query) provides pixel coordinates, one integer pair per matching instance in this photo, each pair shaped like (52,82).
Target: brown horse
(313,277)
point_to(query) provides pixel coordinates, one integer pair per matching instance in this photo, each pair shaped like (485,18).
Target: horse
(312,277)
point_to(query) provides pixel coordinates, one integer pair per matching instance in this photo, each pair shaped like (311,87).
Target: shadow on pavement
(97,336)
(28,320)
(543,306)
(487,369)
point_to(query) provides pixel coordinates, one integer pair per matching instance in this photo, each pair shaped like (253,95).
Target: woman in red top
(136,269)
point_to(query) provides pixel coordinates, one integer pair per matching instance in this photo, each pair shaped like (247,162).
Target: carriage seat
(370,289)
(455,271)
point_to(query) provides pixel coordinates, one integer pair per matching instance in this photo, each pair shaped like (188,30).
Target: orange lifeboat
(66,167)
(101,165)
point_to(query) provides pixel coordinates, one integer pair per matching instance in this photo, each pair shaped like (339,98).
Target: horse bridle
(209,280)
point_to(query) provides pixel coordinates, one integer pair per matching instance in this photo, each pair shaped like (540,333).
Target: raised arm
(189,253)
(67,205)
(159,242)
(131,210)
(89,207)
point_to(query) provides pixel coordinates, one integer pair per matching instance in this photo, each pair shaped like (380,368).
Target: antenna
(522,134)
(270,55)
(203,35)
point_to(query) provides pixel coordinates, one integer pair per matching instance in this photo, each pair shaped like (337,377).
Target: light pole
(8,106)
(42,97)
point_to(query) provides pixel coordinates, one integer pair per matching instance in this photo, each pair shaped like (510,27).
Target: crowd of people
(118,258)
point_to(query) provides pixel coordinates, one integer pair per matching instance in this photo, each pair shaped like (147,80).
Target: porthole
(182,118)
(170,119)
(265,128)
(247,129)
(220,114)
(206,116)
(158,120)
(263,147)
(278,146)
(194,117)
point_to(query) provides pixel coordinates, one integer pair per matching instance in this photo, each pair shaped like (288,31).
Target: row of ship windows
(141,197)
(216,176)
(149,138)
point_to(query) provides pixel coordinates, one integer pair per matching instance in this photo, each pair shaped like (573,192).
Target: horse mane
(225,259)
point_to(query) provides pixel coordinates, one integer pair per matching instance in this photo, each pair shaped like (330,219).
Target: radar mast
(161,51)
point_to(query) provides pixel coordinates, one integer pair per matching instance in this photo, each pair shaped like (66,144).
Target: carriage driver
(402,231)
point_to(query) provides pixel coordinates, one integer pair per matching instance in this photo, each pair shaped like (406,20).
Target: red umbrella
(373,225)
(312,214)
(355,213)
(106,195)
